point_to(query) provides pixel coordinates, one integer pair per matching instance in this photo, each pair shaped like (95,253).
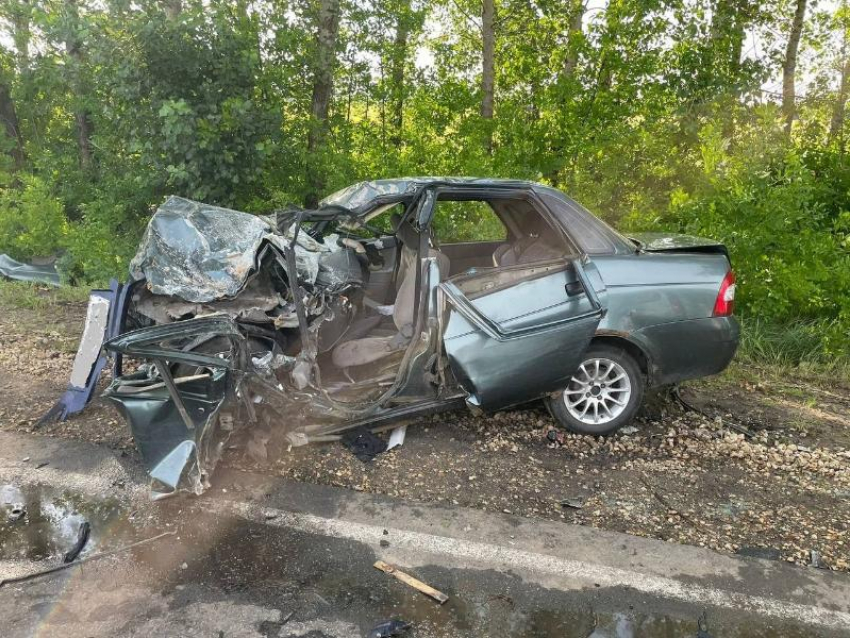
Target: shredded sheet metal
(202,253)
(19,271)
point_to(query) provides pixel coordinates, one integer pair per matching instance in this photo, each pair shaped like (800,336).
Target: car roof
(358,197)
(363,197)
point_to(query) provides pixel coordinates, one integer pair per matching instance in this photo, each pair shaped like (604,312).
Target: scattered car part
(397,437)
(363,444)
(389,629)
(85,559)
(19,271)
(575,502)
(407,579)
(82,538)
(16,512)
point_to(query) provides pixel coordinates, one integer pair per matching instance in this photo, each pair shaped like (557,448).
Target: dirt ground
(759,462)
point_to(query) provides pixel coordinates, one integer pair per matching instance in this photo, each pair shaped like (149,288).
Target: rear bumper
(690,349)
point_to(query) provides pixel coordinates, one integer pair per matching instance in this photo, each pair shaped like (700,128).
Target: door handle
(573,288)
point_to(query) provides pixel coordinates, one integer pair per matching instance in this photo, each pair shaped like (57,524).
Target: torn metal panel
(178,424)
(256,300)
(19,271)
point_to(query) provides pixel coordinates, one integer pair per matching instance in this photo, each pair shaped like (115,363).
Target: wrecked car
(310,323)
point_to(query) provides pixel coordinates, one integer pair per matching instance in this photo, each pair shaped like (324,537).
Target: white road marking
(515,559)
(487,554)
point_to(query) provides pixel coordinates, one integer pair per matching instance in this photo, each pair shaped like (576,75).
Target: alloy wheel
(598,392)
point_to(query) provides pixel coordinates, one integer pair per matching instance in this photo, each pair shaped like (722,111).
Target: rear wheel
(603,394)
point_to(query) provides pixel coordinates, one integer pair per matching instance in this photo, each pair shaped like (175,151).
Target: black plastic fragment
(389,628)
(82,539)
(363,444)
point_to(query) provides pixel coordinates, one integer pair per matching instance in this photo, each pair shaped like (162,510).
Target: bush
(786,223)
(32,221)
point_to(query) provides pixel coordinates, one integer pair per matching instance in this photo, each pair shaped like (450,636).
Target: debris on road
(63,566)
(389,629)
(82,538)
(397,437)
(363,444)
(407,579)
(12,499)
(575,503)
(17,512)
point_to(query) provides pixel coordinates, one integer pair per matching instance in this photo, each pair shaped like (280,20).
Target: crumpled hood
(201,253)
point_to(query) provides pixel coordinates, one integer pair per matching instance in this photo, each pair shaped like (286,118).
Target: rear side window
(591,234)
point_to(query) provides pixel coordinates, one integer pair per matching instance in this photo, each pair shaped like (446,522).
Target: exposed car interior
(509,231)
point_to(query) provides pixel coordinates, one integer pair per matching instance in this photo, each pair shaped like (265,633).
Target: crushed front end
(227,314)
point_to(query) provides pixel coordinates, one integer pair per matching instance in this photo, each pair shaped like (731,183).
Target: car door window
(467,221)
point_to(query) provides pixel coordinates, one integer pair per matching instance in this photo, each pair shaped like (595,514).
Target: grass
(24,295)
(797,344)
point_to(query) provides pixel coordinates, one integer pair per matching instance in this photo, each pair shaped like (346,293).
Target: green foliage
(467,221)
(651,113)
(32,222)
(783,214)
(789,344)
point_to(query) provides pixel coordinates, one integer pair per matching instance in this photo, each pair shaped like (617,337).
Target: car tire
(591,402)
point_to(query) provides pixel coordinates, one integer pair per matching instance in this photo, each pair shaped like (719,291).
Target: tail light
(724,305)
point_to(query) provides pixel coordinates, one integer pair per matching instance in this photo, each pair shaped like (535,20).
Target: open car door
(516,333)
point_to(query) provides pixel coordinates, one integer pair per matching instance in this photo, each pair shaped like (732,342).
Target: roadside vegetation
(721,118)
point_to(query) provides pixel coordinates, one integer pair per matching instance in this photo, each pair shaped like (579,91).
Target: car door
(516,333)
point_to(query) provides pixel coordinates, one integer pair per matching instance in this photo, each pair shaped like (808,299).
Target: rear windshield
(594,236)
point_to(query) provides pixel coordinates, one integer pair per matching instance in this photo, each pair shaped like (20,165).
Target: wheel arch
(634,349)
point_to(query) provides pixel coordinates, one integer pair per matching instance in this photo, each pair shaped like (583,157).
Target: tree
(11,127)
(398,62)
(488,64)
(325,59)
(577,9)
(82,115)
(836,123)
(789,65)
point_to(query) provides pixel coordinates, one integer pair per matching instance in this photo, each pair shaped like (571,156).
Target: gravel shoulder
(758,461)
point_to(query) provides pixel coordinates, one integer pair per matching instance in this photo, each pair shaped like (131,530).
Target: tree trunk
(82,116)
(172,9)
(488,65)
(22,33)
(326,35)
(576,16)
(9,117)
(397,71)
(836,124)
(789,66)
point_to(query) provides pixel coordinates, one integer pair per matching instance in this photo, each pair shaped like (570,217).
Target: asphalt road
(259,557)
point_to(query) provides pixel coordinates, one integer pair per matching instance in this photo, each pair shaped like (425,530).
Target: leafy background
(656,114)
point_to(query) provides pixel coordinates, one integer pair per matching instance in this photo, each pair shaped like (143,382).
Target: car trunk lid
(676,243)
